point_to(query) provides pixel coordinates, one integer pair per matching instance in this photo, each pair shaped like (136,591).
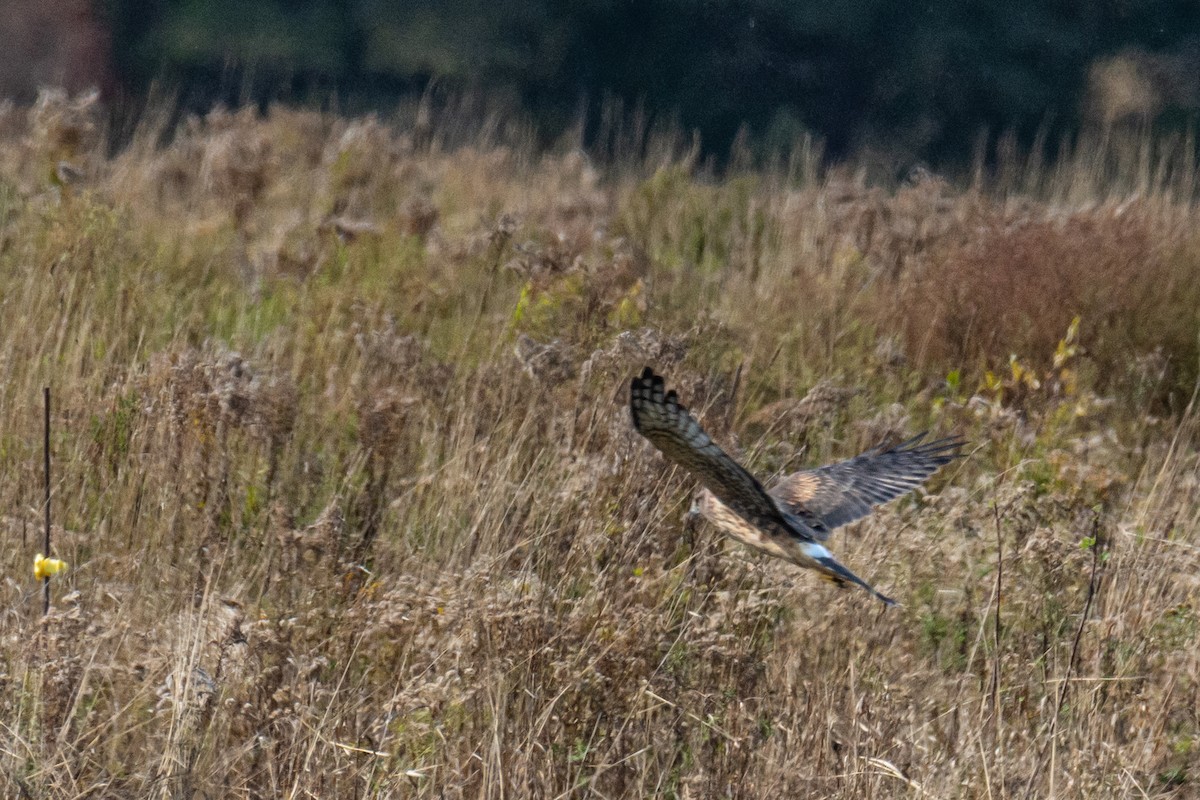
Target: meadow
(343,468)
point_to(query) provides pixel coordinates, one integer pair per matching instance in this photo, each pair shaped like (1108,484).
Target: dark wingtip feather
(939,448)
(947,448)
(639,388)
(646,391)
(644,382)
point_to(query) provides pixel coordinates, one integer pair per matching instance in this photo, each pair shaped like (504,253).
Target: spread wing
(843,492)
(660,417)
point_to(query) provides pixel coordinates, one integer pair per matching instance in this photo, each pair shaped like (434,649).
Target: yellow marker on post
(45,567)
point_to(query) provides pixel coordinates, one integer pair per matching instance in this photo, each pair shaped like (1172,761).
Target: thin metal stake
(46,548)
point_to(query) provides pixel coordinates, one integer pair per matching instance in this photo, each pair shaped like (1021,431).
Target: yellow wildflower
(45,567)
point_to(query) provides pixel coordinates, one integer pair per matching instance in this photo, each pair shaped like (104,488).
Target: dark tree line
(919,78)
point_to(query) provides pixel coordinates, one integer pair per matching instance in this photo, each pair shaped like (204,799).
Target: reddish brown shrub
(1129,273)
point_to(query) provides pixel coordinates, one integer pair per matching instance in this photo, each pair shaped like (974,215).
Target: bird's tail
(837,573)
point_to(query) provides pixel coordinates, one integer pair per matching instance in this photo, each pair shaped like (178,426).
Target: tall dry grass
(353,507)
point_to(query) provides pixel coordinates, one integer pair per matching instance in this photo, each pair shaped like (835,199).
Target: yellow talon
(45,567)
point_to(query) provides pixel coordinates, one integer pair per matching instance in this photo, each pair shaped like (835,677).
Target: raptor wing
(660,417)
(848,490)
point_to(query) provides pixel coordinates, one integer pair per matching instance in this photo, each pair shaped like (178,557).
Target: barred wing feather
(848,490)
(659,416)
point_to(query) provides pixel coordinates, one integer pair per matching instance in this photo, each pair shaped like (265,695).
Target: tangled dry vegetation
(353,507)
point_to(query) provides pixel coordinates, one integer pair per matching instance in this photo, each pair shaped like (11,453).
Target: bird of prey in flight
(800,511)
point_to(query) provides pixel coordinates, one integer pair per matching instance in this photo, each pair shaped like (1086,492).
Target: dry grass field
(345,475)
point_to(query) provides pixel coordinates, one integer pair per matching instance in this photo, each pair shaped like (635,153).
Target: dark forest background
(903,80)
